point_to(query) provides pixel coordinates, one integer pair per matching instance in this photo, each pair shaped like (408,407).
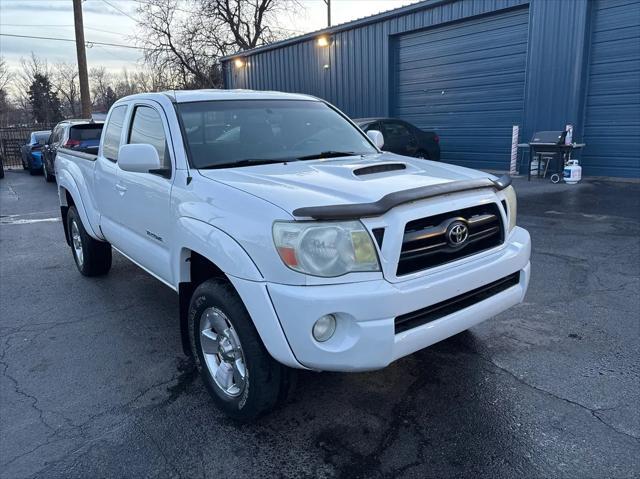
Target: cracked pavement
(94,384)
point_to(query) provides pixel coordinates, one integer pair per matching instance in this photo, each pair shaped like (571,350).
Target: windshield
(242,131)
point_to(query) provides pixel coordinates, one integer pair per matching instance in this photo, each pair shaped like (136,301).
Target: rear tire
(32,170)
(92,257)
(48,177)
(422,155)
(242,377)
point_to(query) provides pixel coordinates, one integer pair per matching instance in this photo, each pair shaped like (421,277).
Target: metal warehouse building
(470,69)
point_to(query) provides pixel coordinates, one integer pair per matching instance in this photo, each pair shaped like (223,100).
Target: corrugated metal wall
(356,72)
(466,81)
(357,80)
(612,119)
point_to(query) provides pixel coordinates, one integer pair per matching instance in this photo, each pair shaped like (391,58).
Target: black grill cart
(547,147)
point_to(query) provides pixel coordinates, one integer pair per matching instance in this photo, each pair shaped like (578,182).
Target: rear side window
(41,137)
(397,131)
(147,127)
(85,132)
(112,133)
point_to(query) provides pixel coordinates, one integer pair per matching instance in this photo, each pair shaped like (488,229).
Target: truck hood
(338,181)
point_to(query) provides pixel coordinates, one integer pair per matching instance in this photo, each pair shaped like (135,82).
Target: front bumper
(365,336)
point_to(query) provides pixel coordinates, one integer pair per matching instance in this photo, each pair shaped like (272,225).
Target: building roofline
(338,28)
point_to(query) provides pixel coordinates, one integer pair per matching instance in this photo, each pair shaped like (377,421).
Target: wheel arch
(69,195)
(219,256)
(206,252)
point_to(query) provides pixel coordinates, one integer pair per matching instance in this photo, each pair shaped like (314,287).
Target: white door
(108,198)
(145,214)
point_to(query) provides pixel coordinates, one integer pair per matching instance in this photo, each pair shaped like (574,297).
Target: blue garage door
(466,82)
(612,116)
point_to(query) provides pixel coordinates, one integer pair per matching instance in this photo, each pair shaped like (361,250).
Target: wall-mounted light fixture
(323,41)
(238,62)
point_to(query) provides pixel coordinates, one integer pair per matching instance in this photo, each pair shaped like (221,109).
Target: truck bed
(80,154)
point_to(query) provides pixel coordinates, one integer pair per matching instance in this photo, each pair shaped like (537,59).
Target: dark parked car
(77,135)
(403,138)
(31,152)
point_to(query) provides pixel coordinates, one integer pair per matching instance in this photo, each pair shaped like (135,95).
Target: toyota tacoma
(291,239)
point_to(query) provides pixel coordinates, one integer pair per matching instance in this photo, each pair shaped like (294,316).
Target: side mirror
(139,158)
(376,137)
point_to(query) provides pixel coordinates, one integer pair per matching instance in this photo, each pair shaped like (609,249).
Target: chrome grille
(425,242)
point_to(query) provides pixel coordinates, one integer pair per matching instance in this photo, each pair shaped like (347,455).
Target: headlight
(325,249)
(512,206)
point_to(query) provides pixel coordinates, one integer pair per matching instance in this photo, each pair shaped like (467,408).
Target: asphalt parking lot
(94,382)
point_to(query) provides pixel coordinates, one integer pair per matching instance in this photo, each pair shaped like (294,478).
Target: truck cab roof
(187,96)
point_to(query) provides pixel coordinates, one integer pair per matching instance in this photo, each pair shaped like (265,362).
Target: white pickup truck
(291,239)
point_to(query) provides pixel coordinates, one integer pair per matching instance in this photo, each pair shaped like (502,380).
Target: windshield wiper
(247,162)
(326,154)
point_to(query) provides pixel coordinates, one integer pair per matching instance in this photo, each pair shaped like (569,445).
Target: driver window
(147,127)
(53,136)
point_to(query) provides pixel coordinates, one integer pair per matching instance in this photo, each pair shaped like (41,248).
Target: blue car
(32,151)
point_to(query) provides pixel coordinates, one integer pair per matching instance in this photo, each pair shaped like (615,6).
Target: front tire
(92,257)
(243,379)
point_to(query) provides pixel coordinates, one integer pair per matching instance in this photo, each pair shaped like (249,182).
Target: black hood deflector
(384,204)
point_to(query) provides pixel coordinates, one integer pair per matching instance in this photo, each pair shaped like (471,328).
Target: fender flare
(67,183)
(229,257)
(215,245)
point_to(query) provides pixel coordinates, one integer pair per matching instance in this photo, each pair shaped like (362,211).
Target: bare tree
(30,68)
(148,79)
(64,78)
(186,41)
(100,81)
(246,23)
(173,44)
(6,75)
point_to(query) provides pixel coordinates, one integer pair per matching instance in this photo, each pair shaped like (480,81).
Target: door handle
(121,188)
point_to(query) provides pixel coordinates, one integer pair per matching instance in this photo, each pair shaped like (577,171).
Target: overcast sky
(113,21)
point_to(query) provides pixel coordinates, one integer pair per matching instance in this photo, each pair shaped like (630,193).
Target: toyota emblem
(457,233)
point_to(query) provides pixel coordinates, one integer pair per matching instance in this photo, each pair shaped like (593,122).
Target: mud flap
(185,291)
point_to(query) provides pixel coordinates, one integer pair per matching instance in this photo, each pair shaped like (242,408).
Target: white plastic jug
(572,172)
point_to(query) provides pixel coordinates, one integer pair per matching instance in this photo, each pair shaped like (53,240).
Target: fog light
(324,328)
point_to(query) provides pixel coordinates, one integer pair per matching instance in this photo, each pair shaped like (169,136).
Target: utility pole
(82,59)
(328,2)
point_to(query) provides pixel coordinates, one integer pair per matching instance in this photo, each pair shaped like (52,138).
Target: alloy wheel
(76,241)
(222,352)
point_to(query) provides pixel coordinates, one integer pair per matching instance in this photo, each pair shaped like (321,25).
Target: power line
(58,26)
(120,10)
(88,42)
(113,55)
